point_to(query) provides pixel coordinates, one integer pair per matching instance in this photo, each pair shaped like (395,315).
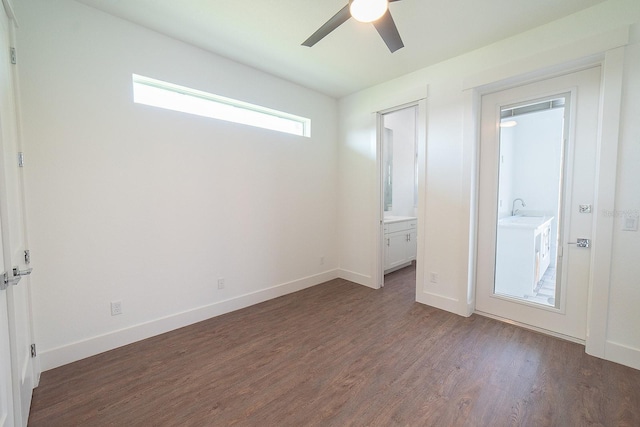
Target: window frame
(221,108)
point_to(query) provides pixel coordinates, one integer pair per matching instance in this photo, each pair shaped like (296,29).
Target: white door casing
(6,384)
(579,175)
(416,249)
(18,296)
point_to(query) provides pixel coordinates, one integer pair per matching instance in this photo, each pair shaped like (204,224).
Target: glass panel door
(530,168)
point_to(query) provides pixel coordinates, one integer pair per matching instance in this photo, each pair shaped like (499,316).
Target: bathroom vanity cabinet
(400,242)
(523,254)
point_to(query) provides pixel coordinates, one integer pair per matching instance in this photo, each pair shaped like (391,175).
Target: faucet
(513,206)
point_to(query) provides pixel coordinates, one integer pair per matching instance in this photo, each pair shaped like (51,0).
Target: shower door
(537,178)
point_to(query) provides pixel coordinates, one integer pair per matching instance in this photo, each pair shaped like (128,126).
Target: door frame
(568,319)
(612,63)
(421,143)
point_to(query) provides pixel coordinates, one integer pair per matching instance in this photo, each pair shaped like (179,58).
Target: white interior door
(6,385)
(566,311)
(18,297)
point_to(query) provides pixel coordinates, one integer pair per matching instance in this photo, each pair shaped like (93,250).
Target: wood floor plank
(339,354)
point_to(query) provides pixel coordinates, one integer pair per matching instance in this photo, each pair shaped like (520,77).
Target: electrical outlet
(116,308)
(434,277)
(630,223)
(220,282)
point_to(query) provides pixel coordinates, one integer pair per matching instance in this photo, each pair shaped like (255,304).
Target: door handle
(8,280)
(19,273)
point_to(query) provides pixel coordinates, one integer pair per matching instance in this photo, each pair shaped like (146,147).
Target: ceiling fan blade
(389,32)
(333,23)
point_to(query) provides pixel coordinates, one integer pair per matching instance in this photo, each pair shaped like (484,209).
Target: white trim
(421,141)
(378,272)
(622,354)
(568,58)
(420,124)
(357,278)
(442,302)
(414,97)
(471,171)
(9,11)
(65,354)
(414,103)
(602,234)
(400,98)
(530,327)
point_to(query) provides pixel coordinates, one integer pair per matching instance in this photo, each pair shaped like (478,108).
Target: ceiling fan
(373,11)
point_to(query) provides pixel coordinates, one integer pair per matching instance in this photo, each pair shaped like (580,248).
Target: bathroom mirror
(387,158)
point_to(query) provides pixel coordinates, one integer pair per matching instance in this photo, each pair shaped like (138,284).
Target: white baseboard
(443,302)
(358,278)
(531,327)
(622,354)
(69,353)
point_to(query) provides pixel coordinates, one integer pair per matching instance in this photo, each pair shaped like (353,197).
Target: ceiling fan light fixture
(368,10)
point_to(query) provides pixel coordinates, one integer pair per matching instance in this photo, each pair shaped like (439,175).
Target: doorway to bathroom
(537,183)
(399,198)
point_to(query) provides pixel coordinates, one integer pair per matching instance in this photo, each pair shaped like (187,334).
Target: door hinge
(12,53)
(20,159)
(27,256)
(33,350)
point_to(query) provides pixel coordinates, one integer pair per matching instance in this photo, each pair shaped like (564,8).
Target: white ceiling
(266,34)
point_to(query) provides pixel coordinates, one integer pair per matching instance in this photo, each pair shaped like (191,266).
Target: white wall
(535,166)
(506,193)
(133,203)
(447,237)
(538,142)
(403,125)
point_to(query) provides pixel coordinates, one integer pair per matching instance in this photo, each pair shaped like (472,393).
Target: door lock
(581,243)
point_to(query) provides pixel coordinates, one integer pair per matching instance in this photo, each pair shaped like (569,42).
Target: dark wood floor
(340,354)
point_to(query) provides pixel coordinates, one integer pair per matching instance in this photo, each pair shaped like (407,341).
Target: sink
(524,221)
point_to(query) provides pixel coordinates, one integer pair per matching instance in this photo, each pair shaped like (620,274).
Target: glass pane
(165,95)
(529,194)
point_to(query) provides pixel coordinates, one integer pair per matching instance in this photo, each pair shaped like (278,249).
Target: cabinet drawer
(400,226)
